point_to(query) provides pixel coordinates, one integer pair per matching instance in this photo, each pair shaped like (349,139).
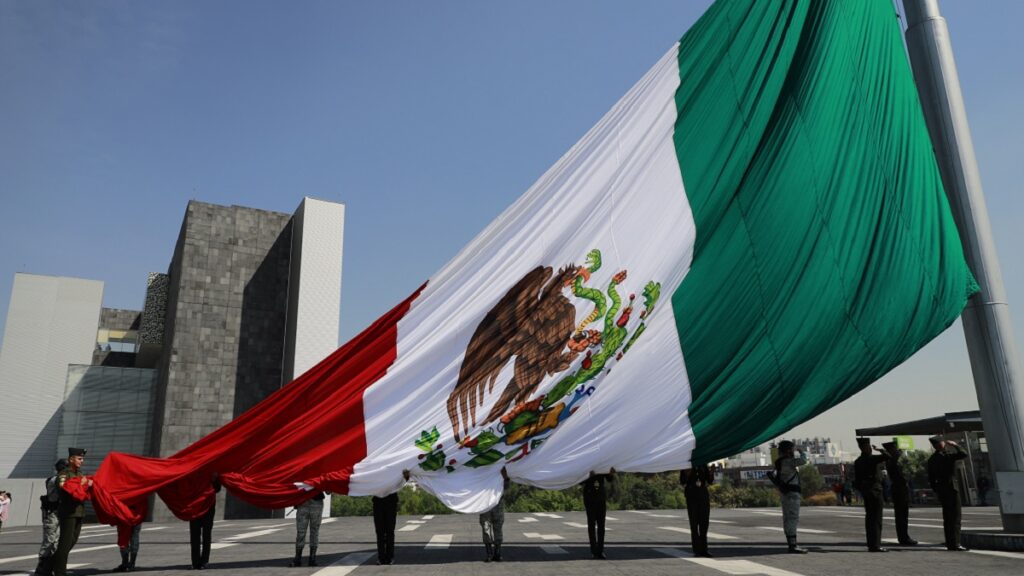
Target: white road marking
(610,518)
(663,515)
(95,527)
(328,520)
(220,545)
(546,515)
(409,527)
(73,566)
(939,527)
(739,567)
(253,534)
(415,522)
(721,521)
(1000,553)
(272,525)
(154,528)
(345,565)
(441,541)
(17,532)
(575,524)
(765,512)
(804,530)
(96,534)
(543,536)
(73,551)
(920,544)
(711,535)
(552,549)
(428,517)
(528,519)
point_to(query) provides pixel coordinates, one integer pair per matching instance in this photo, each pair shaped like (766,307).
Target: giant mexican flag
(756,231)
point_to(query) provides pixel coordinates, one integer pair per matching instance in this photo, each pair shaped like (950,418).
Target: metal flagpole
(998,376)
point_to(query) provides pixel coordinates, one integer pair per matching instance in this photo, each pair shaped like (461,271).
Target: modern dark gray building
(250,300)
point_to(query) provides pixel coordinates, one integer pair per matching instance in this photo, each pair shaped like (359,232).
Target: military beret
(76,452)
(785,445)
(935,440)
(60,464)
(889,445)
(862,441)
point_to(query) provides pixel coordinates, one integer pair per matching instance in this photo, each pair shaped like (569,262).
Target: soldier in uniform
(385,515)
(308,515)
(868,470)
(942,477)
(49,503)
(595,501)
(491,523)
(74,491)
(200,531)
(695,483)
(787,474)
(900,493)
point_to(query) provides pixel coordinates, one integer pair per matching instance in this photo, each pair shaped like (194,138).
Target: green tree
(811,482)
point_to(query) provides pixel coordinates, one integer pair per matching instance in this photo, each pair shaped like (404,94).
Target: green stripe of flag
(826,253)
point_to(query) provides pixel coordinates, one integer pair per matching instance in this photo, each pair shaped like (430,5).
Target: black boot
(297,561)
(45,566)
(490,552)
(312,556)
(131,559)
(497,552)
(123,566)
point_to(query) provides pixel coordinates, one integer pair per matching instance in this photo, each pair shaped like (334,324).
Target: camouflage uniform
(491,523)
(307,517)
(50,521)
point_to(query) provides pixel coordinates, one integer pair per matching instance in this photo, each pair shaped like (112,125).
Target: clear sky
(426,119)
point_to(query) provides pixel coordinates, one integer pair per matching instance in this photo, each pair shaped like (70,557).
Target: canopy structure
(969,421)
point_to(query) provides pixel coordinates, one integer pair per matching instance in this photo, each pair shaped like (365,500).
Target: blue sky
(425,119)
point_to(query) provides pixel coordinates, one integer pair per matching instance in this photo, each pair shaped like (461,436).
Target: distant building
(250,300)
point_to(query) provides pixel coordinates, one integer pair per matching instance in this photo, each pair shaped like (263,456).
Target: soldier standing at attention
(942,477)
(695,483)
(49,504)
(787,474)
(595,501)
(308,515)
(868,470)
(74,491)
(385,515)
(491,523)
(900,494)
(200,531)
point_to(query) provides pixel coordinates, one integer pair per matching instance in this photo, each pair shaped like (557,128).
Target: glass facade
(107,409)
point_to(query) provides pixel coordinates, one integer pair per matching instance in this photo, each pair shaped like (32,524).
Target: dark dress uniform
(942,477)
(695,483)
(900,500)
(868,470)
(199,533)
(70,514)
(595,501)
(385,515)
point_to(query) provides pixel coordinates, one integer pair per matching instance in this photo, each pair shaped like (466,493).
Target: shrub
(820,499)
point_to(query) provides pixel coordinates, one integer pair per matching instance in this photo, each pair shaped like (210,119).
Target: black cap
(785,445)
(889,445)
(862,441)
(60,464)
(76,452)
(936,440)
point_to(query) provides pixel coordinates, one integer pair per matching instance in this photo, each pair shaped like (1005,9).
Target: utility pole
(998,376)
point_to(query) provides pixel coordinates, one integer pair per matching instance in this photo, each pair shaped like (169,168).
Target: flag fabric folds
(756,231)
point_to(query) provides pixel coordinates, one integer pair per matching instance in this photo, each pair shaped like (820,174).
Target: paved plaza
(744,541)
